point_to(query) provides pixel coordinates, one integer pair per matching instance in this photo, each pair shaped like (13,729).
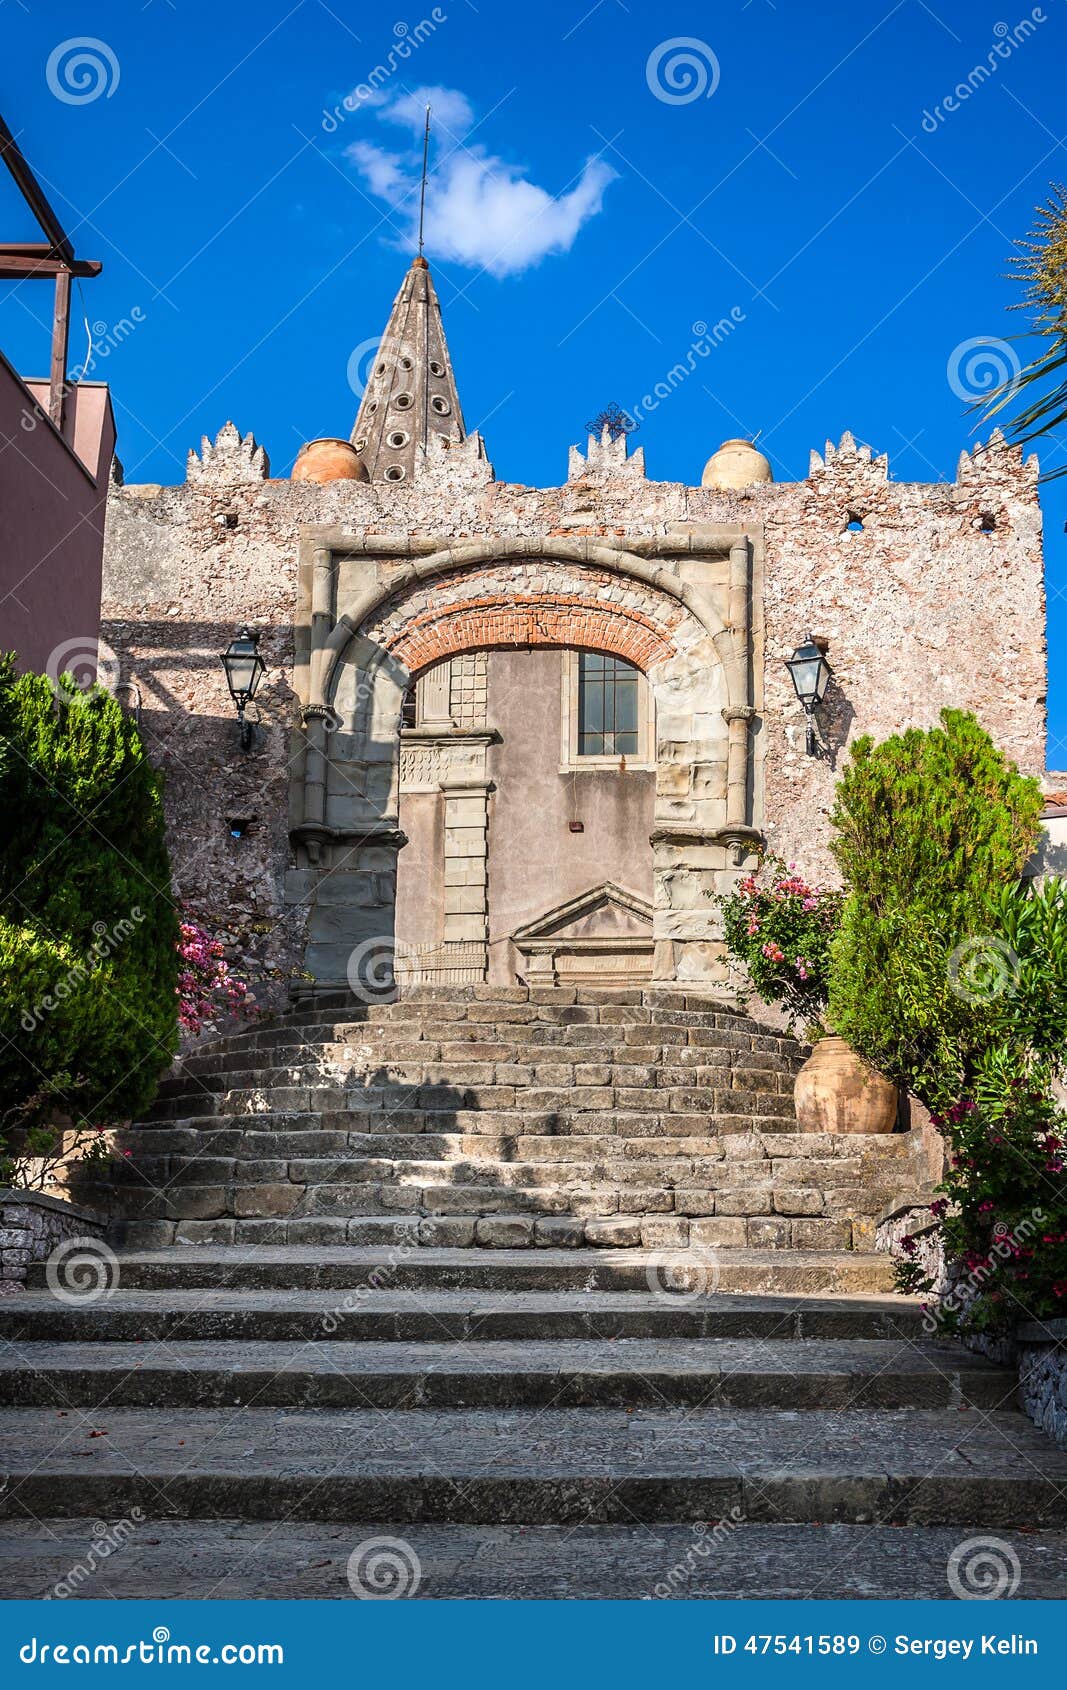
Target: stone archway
(519,594)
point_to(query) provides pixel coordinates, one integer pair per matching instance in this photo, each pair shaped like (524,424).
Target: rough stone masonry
(926,594)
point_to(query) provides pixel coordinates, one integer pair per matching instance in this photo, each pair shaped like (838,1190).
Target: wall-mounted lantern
(811,673)
(244,669)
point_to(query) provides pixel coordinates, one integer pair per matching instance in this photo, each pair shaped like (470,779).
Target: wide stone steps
(508,1404)
(555,1466)
(662,1561)
(373,1271)
(575,1373)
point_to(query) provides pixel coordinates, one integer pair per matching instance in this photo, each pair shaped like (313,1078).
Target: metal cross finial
(425,165)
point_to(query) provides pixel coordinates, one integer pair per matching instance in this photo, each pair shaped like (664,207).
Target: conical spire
(411,393)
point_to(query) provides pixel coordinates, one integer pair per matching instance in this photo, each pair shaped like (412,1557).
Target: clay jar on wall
(837,1092)
(328,460)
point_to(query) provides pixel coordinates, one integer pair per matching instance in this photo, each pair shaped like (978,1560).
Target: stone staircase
(677,1372)
(268,1420)
(503,1117)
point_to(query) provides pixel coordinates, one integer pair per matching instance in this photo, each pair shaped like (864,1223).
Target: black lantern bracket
(811,674)
(244,667)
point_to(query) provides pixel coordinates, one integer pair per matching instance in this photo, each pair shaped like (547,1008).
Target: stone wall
(31,1226)
(937,599)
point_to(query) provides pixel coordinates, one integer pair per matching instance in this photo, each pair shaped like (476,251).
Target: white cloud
(480,210)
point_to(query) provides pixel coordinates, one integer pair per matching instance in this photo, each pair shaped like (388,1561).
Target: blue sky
(254,231)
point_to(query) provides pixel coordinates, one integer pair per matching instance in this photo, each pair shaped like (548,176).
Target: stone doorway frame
(343,789)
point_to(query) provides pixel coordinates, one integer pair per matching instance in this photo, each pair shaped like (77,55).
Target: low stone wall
(31,1225)
(1042,1359)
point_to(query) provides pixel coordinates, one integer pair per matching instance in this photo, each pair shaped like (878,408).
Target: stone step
(851,1374)
(552,1067)
(839,1218)
(242,1560)
(389,1266)
(562,1101)
(484,1044)
(767,1234)
(500,1123)
(555,1467)
(365,1313)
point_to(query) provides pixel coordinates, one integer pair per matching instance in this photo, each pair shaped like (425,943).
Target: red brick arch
(530,619)
(520,604)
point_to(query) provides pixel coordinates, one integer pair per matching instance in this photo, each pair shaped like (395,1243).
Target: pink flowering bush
(781,927)
(207,991)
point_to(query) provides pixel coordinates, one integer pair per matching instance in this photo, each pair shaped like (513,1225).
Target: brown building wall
(535,862)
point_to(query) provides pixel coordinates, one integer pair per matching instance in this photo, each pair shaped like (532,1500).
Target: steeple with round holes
(411,394)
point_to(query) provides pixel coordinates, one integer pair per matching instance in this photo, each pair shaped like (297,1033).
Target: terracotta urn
(736,464)
(328,460)
(837,1092)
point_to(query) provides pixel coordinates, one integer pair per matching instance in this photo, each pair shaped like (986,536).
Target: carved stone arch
(499,592)
(730,649)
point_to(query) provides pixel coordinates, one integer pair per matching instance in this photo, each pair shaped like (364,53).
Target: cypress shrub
(88,929)
(929,824)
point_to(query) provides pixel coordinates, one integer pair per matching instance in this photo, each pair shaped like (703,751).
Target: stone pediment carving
(603,911)
(603,936)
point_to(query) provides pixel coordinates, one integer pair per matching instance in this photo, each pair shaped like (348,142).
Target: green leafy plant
(88,930)
(1041,262)
(927,824)
(951,975)
(780,928)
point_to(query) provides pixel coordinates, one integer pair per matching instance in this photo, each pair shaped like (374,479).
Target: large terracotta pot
(837,1092)
(329,460)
